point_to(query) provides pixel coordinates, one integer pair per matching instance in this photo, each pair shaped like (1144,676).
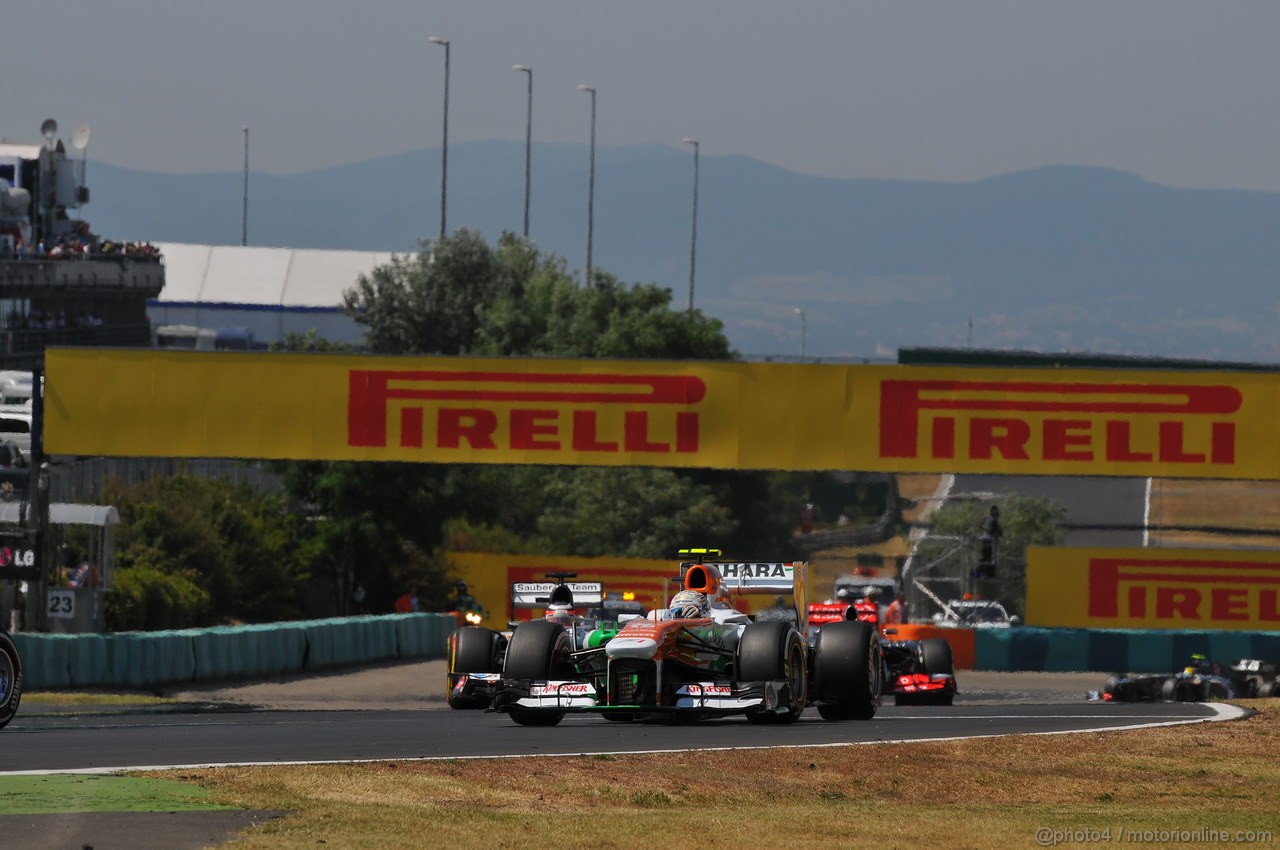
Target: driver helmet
(869,592)
(562,614)
(688,604)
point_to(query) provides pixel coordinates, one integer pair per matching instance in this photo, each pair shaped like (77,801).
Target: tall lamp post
(244,210)
(693,235)
(444,146)
(528,142)
(804,331)
(591,183)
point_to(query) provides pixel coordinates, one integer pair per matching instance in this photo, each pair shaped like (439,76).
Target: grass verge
(986,793)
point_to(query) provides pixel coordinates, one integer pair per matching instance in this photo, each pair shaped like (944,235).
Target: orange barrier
(961,640)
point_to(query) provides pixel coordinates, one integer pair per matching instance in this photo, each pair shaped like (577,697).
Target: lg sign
(10,557)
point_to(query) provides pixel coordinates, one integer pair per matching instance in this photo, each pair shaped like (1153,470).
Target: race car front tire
(471,650)
(539,650)
(772,651)
(935,658)
(10,679)
(847,666)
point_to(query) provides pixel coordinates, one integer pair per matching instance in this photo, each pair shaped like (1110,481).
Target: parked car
(975,614)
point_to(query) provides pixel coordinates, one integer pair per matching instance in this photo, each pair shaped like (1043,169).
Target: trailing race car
(476,654)
(1199,681)
(698,658)
(916,672)
(10,679)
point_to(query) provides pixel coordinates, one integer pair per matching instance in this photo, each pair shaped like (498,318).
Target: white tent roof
(21,151)
(286,277)
(62,514)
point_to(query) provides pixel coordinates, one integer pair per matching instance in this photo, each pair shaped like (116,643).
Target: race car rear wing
(537,594)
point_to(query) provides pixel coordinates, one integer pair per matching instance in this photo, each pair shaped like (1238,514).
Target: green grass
(62,793)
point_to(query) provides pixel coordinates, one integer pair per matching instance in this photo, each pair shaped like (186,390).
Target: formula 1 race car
(916,672)
(10,679)
(699,658)
(1199,681)
(476,654)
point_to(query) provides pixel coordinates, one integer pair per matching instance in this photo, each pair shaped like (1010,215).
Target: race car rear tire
(847,666)
(1120,689)
(471,650)
(772,651)
(10,679)
(539,649)
(1274,689)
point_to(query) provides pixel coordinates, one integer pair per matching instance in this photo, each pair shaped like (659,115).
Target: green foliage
(638,513)
(240,549)
(309,341)
(432,303)
(146,597)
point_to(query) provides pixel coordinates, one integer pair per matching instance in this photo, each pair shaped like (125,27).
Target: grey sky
(1179,91)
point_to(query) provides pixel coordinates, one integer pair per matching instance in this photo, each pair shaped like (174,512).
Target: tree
(193,551)
(432,302)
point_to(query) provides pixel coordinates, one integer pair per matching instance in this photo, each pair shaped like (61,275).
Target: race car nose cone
(631,647)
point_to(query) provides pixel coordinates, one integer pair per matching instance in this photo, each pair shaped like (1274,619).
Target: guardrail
(142,660)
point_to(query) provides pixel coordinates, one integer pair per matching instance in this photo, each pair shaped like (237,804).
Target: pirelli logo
(1176,591)
(524,411)
(1059,421)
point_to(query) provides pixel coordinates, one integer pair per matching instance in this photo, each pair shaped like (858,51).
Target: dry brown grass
(985,793)
(1220,504)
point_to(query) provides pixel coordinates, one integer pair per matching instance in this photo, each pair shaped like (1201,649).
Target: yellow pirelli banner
(1153,588)
(662,413)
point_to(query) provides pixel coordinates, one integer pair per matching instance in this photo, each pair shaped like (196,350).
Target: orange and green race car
(699,657)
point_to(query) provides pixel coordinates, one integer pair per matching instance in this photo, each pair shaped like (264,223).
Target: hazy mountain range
(1060,258)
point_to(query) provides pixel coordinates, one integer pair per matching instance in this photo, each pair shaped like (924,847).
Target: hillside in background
(1060,258)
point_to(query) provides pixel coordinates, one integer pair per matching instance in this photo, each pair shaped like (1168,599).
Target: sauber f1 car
(10,679)
(476,654)
(1199,681)
(916,672)
(694,662)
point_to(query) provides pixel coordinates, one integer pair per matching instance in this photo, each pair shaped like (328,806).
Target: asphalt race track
(107,742)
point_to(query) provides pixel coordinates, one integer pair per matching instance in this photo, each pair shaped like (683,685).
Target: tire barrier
(1113,650)
(140,660)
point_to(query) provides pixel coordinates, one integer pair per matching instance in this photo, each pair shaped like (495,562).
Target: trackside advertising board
(1153,588)
(662,413)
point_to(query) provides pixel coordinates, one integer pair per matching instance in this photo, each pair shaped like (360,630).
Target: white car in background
(15,387)
(15,426)
(975,614)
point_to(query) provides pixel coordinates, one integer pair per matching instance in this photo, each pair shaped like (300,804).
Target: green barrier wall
(1114,650)
(140,660)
